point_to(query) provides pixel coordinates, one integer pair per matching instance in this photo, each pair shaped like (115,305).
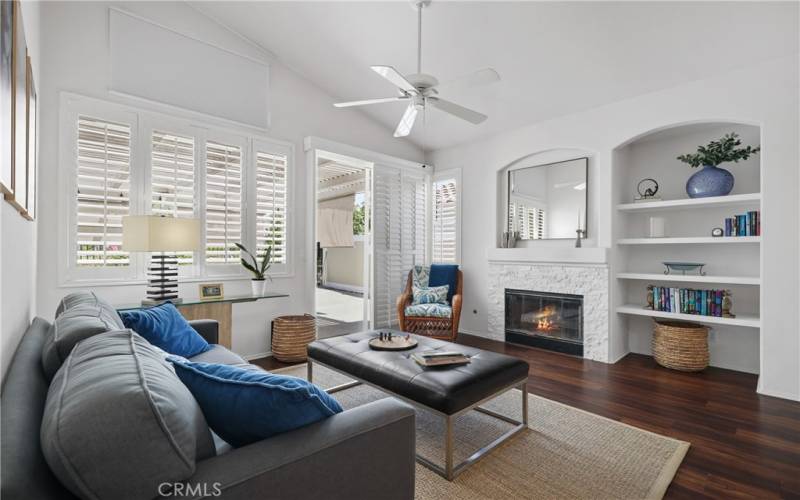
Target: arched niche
(545,157)
(653,154)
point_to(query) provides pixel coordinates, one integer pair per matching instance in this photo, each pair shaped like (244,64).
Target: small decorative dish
(683,267)
(393,343)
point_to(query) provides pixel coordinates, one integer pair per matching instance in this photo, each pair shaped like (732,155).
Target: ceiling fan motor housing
(422,81)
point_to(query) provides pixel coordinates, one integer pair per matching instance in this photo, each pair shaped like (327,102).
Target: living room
(564,198)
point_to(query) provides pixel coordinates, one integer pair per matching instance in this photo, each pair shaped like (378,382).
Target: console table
(218,309)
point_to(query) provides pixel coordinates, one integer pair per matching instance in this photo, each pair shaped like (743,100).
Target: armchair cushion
(444,274)
(429,310)
(430,295)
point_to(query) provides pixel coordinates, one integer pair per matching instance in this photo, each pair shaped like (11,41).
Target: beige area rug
(566,453)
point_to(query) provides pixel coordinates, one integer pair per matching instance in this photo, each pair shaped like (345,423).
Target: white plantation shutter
(271,192)
(223,213)
(445,221)
(172,179)
(103,191)
(530,221)
(399,213)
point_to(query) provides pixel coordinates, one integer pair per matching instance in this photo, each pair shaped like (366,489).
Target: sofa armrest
(364,452)
(207,328)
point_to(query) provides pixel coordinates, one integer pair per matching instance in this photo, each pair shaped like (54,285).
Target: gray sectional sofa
(91,409)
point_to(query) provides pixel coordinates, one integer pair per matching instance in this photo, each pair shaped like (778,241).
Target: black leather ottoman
(446,391)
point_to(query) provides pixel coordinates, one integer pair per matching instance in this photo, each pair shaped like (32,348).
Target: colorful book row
(748,224)
(686,300)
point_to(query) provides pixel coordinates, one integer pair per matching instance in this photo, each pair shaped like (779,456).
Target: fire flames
(545,321)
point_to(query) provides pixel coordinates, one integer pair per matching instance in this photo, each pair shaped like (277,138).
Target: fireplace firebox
(548,320)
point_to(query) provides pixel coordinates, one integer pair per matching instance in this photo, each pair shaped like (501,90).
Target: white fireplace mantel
(549,254)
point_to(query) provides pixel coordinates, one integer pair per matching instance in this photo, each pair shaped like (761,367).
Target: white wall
(766,94)
(18,235)
(76,59)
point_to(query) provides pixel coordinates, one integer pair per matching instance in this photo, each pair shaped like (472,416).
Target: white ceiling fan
(420,89)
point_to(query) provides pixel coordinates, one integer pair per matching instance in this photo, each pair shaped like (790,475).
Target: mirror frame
(586,196)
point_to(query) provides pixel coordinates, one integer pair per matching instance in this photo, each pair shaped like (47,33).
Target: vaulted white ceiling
(554,58)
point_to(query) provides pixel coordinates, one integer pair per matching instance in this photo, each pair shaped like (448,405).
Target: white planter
(258,287)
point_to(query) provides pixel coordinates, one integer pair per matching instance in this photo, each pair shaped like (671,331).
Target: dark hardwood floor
(743,445)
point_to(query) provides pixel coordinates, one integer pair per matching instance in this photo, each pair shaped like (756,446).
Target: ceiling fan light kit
(420,89)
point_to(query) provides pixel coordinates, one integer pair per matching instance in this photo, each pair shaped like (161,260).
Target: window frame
(438,176)
(281,148)
(143,122)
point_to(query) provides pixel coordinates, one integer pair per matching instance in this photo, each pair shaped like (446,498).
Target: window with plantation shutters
(127,161)
(103,152)
(271,191)
(223,212)
(445,221)
(172,179)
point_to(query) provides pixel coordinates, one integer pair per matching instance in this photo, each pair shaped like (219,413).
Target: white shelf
(750,199)
(733,280)
(696,240)
(747,320)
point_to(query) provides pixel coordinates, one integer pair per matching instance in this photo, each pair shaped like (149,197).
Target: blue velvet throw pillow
(247,405)
(164,327)
(444,274)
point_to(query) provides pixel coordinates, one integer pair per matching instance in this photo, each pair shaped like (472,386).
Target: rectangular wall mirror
(546,202)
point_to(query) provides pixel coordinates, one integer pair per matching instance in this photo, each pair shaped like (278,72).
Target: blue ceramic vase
(710,181)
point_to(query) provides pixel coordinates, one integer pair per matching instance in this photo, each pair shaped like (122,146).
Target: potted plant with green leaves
(712,180)
(258,267)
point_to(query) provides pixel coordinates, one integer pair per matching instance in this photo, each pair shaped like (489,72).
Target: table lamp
(163,236)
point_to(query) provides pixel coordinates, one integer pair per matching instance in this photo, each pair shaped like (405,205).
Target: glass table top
(231,299)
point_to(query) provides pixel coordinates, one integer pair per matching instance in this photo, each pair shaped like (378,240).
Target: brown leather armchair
(440,328)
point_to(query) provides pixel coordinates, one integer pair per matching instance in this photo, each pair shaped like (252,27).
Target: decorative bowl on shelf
(683,267)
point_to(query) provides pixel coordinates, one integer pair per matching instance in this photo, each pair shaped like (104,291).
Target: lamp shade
(153,233)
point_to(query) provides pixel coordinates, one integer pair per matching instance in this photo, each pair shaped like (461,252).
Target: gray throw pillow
(79,316)
(118,422)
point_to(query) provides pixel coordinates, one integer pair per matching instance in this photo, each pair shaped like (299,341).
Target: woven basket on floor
(291,335)
(680,346)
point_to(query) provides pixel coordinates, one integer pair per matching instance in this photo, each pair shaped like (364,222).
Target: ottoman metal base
(450,470)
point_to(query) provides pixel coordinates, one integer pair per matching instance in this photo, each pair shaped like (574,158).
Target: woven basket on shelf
(291,335)
(680,346)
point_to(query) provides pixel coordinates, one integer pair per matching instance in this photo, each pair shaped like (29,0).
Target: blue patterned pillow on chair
(430,295)
(419,276)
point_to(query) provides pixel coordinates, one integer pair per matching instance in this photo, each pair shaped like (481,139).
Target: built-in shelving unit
(695,240)
(747,320)
(732,263)
(736,200)
(687,278)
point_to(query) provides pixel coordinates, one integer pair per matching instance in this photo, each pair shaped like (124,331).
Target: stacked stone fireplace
(586,282)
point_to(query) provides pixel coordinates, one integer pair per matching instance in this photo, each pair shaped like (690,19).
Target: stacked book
(687,300)
(440,358)
(748,224)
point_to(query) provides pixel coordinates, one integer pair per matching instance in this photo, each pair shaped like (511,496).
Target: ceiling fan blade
(395,77)
(483,76)
(456,110)
(406,122)
(369,101)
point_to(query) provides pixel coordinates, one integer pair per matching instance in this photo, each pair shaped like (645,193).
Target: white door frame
(312,146)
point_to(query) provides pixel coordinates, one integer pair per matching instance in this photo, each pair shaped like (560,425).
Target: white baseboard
(778,394)
(619,357)
(250,357)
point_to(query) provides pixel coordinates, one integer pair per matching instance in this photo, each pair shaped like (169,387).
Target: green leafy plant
(359,214)
(721,151)
(259,269)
